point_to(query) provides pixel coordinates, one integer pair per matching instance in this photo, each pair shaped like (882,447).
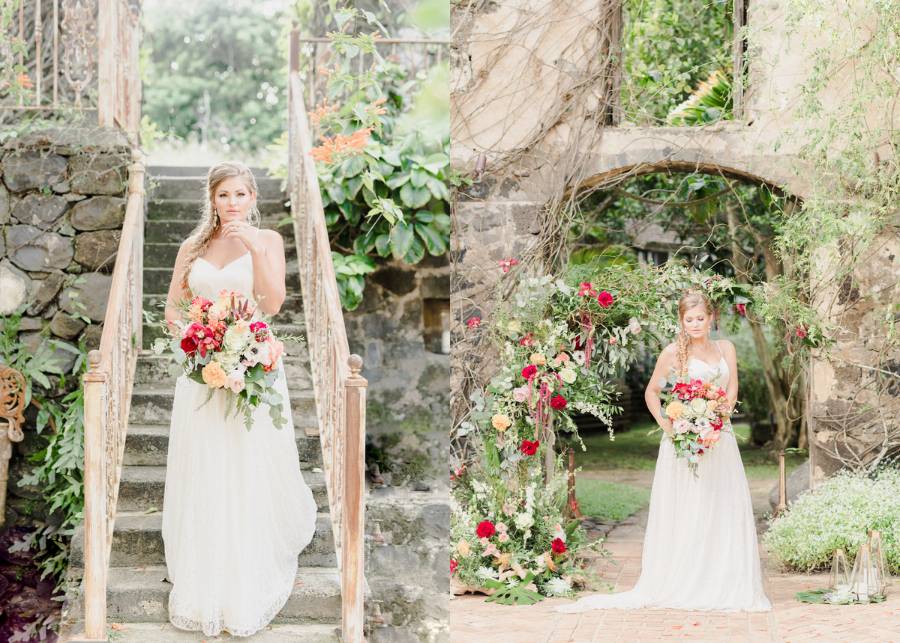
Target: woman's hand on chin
(243,232)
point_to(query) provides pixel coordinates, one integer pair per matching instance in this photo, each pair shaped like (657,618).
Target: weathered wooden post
(353,515)
(782,486)
(95,494)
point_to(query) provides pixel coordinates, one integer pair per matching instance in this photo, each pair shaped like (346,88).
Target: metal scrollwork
(79,45)
(12,417)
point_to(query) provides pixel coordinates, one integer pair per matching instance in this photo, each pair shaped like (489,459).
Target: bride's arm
(731,391)
(176,292)
(651,395)
(268,271)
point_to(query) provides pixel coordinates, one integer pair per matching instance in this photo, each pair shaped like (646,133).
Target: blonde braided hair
(689,299)
(209,220)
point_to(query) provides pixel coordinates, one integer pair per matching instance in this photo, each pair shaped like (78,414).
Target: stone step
(291,310)
(197,171)
(137,540)
(156,280)
(191,209)
(148,445)
(154,406)
(194,187)
(142,488)
(140,594)
(162,255)
(160,370)
(177,230)
(275,633)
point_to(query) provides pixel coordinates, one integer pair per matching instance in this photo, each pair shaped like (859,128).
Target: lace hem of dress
(217,626)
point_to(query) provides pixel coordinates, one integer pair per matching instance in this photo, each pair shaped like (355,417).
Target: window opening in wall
(678,61)
(436,325)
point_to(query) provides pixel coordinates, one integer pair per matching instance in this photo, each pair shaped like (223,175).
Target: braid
(200,238)
(682,341)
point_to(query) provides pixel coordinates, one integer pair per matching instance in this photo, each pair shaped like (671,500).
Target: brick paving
(473,620)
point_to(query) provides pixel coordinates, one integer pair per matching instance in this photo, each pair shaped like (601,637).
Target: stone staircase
(137,594)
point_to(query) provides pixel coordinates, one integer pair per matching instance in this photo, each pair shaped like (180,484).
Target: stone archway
(731,150)
(626,153)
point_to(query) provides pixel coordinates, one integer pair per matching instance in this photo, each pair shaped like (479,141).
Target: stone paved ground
(472,619)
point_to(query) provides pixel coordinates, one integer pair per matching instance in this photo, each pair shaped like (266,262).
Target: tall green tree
(217,72)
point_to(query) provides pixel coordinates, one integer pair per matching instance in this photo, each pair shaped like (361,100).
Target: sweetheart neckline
(220,269)
(721,359)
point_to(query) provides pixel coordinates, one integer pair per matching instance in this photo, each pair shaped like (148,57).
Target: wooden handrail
(340,390)
(108,384)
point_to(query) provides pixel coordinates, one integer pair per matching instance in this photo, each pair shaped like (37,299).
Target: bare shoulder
(727,346)
(271,239)
(184,248)
(669,353)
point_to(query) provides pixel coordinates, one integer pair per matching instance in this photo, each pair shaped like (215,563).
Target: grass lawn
(609,501)
(635,449)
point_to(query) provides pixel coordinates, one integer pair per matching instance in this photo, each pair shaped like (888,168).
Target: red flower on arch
(528,447)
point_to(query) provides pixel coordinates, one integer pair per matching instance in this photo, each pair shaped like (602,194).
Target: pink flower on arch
(473,322)
(508,263)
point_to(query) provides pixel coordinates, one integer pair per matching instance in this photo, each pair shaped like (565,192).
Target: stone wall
(62,203)
(397,330)
(524,110)
(408,395)
(855,398)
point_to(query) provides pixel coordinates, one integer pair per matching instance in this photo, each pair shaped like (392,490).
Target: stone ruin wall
(501,95)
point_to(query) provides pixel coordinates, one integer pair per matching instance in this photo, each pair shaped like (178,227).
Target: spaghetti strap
(721,354)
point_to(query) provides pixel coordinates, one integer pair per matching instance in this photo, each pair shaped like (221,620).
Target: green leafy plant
(59,464)
(710,102)
(518,594)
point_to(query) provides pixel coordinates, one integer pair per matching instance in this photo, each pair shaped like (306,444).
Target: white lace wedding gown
(236,511)
(700,548)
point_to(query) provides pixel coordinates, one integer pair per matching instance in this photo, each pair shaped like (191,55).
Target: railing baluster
(22,39)
(55,53)
(38,57)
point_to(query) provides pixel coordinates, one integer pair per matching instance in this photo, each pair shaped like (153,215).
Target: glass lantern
(876,551)
(867,580)
(840,578)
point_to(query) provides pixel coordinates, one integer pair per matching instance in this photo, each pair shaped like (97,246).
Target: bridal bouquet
(225,347)
(699,412)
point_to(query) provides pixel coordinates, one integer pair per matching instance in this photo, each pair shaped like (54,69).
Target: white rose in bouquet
(681,426)
(237,338)
(235,380)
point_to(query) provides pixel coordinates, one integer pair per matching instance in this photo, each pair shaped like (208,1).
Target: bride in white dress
(700,548)
(236,511)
